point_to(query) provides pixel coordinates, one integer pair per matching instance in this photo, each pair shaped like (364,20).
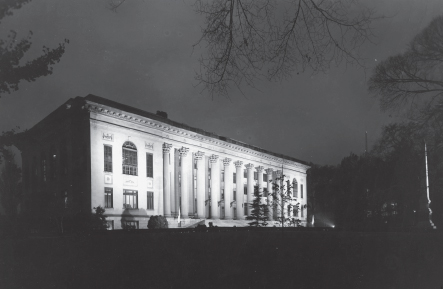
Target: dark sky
(142,56)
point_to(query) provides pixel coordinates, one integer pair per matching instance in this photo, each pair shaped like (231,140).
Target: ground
(224,259)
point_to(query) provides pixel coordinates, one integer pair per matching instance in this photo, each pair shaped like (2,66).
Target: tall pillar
(239,192)
(270,206)
(166,181)
(279,206)
(215,186)
(199,156)
(260,181)
(250,186)
(228,188)
(184,182)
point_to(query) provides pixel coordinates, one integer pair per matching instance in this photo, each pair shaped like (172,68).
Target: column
(215,186)
(184,212)
(199,156)
(250,186)
(270,206)
(239,192)
(260,181)
(279,206)
(166,181)
(228,188)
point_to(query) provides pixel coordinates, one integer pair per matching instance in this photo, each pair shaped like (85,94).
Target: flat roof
(127,108)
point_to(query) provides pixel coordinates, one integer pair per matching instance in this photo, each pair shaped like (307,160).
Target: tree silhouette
(259,210)
(13,50)
(10,185)
(413,78)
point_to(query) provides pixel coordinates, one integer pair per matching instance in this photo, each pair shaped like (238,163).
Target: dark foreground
(240,259)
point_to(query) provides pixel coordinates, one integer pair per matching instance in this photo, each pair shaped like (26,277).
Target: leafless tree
(413,79)
(247,40)
(250,39)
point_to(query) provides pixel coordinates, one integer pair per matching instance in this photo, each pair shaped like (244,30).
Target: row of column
(214,184)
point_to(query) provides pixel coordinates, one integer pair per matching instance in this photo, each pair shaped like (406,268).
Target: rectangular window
(245,209)
(108,158)
(301,191)
(110,225)
(130,225)
(149,165)
(108,198)
(223,176)
(234,196)
(245,174)
(301,210)
(265,177)
(234,178)
(255,176)
(245,190)
(222,194)
(130,199)
(129,162)
(150,199)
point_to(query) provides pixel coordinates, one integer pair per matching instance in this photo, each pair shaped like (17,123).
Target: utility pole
(427,190)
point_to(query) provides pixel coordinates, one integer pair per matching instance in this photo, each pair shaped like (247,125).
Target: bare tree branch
(246,40)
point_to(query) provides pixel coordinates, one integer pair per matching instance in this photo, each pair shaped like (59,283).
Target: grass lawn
(229,259)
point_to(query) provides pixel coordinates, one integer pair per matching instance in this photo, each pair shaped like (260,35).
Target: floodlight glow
(333,226)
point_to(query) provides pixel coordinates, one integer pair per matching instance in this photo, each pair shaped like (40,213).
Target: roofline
(127,108)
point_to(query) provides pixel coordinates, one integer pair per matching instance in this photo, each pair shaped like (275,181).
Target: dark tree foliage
(379,190)
(413,78)
(259,210)
(10,185)
(13,50)
(98,219)
(157,222)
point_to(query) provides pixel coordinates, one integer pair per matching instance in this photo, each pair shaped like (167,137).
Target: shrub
(157,222)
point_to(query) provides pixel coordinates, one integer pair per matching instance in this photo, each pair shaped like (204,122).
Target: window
(234,178)
(223,176)
(245,190)
(245,174)
(255,176)
(108,158)
(265,177)
(295,188)
(149,165)
(222,194)
(110,225)
(150,198)
(130,199)
(301,210)
(108,198)
(245,209)
(130,225)
(301,191)
(129,159)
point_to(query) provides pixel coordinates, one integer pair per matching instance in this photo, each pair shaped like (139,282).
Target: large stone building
(95,152)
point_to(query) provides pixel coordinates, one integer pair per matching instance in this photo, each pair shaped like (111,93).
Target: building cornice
(97,108)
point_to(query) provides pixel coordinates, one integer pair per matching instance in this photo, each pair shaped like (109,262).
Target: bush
(157,222)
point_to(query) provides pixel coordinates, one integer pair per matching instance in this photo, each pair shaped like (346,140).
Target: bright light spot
(333,226)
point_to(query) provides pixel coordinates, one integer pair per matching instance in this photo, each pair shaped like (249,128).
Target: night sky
(142,56)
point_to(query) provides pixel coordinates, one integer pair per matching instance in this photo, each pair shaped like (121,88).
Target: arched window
(295,188)
(129,159)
